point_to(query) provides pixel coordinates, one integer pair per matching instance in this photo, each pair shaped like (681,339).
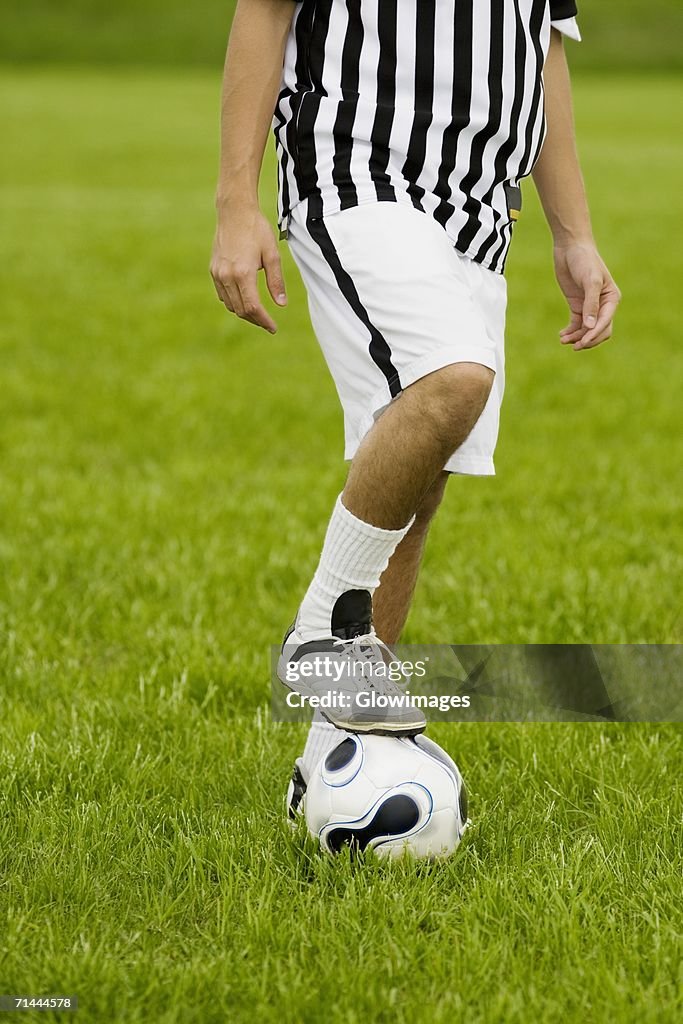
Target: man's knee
(454,397)
(470,381)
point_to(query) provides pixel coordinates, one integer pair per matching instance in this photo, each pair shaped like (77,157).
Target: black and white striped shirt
(435,103)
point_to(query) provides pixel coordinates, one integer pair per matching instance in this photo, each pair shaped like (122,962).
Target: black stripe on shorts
(379,348)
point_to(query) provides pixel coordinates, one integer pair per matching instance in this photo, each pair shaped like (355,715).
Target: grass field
(165,475)
(630,35)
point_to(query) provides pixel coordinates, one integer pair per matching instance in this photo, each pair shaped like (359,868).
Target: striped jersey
(434,103)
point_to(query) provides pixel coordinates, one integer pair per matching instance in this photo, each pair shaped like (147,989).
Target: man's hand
(244,244)
(591,293)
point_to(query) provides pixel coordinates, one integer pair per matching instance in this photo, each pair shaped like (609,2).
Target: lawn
(165,476)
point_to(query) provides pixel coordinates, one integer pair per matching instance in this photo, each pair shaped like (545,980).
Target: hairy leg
(393,471)
(391,601)
(407,448)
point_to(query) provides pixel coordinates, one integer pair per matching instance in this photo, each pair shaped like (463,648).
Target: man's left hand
(591,293)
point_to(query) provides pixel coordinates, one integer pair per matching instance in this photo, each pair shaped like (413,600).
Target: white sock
(354,556)
(322,737)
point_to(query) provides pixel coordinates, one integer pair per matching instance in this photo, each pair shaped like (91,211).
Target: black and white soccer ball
(393,795)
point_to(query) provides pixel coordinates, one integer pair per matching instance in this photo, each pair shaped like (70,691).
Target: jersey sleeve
(568,27)
(562,10)
(563,17)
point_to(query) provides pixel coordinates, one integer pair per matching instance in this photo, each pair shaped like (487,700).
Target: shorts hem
(470,465)
(442,357)
(466,464)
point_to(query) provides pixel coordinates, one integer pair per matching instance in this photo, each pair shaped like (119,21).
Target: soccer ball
(394,795)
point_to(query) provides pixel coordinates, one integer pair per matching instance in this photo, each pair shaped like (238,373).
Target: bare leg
(391,601)
(407,448)
(393,471)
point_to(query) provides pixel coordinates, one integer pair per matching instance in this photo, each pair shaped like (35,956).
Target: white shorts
(391,301)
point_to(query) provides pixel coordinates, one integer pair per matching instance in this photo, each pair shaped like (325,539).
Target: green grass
(165,474)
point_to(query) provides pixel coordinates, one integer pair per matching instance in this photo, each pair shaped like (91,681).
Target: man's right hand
(244,244)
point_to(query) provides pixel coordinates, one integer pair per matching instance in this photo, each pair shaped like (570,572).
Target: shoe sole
(379,728)
(376,728)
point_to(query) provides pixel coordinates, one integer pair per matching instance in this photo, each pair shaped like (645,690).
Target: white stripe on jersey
(434,103)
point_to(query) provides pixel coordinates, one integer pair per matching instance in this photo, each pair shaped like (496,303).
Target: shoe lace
(367,648)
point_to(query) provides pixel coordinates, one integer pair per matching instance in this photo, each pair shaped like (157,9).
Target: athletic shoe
(296,793)
(347,671)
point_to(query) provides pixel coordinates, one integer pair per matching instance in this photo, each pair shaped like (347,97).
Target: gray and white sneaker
(348,673)
(296,793)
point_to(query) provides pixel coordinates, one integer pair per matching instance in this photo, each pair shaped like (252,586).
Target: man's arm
(245,242)
(583,277)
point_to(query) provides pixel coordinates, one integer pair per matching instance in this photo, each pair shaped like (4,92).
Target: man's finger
(591,302)
(222,294)
(252,307)
(604,321)
(574,331)
(574,328)
(570,339)
(225,289)
(571,329)
(603,336)
(274,278)
(572,334)
(574,324)
(234,297)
